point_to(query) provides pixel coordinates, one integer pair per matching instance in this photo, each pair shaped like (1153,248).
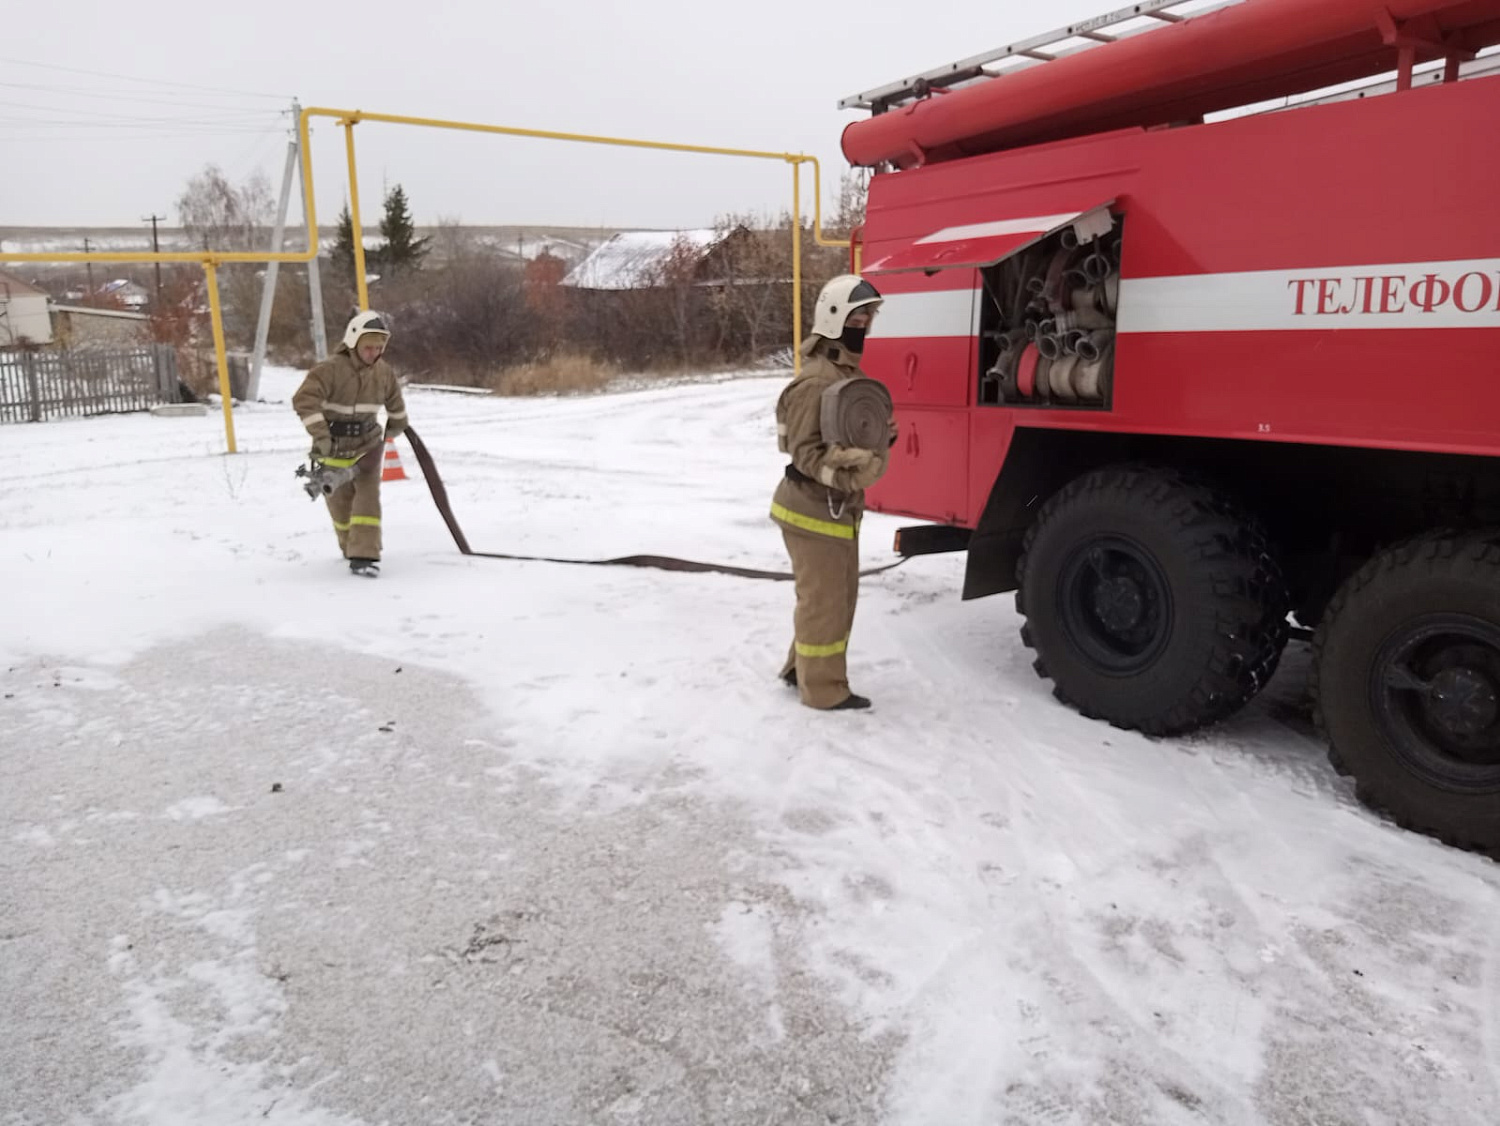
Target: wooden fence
(40,385)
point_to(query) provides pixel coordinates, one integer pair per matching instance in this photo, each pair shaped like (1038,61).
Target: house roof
(631,259)
(529,248)
(17,287)
(90,311)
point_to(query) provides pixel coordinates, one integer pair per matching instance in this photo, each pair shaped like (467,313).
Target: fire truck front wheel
(1152,600)
(1407,683)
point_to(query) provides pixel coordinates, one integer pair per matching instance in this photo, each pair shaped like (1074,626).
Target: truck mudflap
(931,539)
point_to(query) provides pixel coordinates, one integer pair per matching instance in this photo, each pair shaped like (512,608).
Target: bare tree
(453,241)
(753,305)
(849,205)
(221,216)
(463,322)
(675,277)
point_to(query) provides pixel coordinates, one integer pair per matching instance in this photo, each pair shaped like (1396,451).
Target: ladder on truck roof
(1107,28)
(1482,67)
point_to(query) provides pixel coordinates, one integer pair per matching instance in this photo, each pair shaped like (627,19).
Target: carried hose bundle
(856,413)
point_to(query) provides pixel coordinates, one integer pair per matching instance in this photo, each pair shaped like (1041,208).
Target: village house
(23,313)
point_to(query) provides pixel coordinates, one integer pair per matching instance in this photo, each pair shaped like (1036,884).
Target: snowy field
(491,842)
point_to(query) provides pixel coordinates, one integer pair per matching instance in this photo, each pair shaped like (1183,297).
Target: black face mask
(853,339)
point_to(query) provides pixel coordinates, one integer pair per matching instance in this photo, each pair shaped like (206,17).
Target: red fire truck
(1179,360)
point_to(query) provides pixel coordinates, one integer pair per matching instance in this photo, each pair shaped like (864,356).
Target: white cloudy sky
(80,148)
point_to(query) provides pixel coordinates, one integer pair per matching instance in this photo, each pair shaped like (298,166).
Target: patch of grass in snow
(562,373)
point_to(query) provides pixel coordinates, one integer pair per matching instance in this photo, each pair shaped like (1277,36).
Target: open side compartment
(1047,318)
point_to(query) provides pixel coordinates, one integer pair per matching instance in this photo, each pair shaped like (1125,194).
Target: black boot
(851,703)
(789,678)
(365,568)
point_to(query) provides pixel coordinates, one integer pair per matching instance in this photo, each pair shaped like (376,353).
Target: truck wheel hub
(1120,604)
(1463,701)
(1115,604)
(1436,686)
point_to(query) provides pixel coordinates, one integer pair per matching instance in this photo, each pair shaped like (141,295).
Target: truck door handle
(911,370)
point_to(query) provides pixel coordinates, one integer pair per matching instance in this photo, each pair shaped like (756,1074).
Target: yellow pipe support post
(349,118)
(859,251)
(211,272)
(797,267)
(818,207)
(541,134)
(356,227)
(210,268)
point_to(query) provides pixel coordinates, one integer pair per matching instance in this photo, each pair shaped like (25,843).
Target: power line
(61,106)
(12,118)
(147,81)
(126,133)
(153,97)
(15,120)
(105,129)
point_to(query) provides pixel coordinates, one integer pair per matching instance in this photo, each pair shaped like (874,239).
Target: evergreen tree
(342,256)
(402,250)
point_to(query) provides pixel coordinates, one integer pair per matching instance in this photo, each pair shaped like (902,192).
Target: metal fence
(40,385)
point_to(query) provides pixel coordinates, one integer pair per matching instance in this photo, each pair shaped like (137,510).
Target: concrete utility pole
(314,278)
(155,249)
(273,269)
(291,169)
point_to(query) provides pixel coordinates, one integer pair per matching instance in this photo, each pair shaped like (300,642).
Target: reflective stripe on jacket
(342,391)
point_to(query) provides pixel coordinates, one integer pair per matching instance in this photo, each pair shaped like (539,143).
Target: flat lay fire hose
(660,562)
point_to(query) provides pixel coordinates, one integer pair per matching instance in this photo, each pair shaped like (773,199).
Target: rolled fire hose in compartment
(1047,324)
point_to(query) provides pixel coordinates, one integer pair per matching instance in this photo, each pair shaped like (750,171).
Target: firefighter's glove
(323,447)
(863,466)
(867,474)
(847,457)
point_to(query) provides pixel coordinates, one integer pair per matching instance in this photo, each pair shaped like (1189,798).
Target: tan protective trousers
(355,509)
(827,581)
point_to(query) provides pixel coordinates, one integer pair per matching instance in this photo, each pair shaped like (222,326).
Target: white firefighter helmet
(366,322)
(839,298)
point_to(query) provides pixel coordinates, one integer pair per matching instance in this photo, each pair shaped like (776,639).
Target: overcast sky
(82,149)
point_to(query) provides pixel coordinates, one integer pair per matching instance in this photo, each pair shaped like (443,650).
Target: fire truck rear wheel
(1153,601)
(1406,676)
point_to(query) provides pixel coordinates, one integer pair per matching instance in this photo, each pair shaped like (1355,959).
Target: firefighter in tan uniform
(821,497)
(339,403)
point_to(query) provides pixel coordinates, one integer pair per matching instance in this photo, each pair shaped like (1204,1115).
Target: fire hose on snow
(853,413)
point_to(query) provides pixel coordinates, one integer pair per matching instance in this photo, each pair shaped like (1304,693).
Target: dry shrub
(563,373)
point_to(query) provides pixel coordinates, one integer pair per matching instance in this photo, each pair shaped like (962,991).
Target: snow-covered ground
(522,843)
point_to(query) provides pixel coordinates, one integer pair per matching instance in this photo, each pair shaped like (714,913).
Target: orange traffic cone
(391,470)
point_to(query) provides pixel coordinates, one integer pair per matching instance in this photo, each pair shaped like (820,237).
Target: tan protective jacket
(342,390)
(826,500)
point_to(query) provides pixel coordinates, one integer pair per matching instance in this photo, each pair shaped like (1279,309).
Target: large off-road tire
(1152,600)
(1406,676)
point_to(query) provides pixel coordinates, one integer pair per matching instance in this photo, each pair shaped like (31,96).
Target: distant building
(643,259)
(529,248)
(540,277)
(23,313)
(126,293)
(81,327)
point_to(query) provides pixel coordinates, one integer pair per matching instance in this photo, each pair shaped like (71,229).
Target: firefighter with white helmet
(339,404)
(820,499)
